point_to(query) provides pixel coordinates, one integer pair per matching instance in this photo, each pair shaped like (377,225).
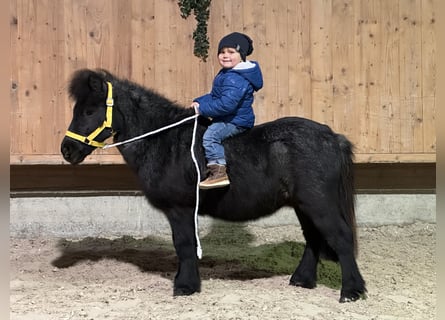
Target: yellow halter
(89,140)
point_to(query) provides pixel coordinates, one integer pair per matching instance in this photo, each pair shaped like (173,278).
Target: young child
(229,104)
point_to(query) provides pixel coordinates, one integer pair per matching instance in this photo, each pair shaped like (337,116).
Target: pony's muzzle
(73,151)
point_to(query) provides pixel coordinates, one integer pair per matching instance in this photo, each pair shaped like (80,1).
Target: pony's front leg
(187,280)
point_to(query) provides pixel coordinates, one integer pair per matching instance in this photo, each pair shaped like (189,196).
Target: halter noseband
(89,140)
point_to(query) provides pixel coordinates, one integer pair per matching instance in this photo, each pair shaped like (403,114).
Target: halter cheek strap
(89,140)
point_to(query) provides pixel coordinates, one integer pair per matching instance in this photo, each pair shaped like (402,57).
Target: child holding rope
(229,104)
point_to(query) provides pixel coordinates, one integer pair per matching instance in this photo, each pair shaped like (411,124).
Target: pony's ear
(96,83)
(84,82)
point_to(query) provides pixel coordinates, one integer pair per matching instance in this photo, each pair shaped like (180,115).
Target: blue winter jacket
(231,97)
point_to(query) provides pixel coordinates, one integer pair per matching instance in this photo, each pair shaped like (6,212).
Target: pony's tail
(346,189)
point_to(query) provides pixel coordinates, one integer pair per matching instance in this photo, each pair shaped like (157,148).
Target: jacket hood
(250,70)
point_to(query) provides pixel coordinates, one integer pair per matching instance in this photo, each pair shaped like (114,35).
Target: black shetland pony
(291,161)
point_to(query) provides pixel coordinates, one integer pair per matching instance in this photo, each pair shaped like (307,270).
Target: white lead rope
(151,132)
(198,179)
(192,151)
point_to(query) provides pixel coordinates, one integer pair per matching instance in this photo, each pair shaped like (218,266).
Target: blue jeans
(212,140)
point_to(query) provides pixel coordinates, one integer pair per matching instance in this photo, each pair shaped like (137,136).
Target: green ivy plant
(201,10)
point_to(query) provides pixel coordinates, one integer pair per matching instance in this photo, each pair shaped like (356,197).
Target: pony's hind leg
(335,242)
(305,274)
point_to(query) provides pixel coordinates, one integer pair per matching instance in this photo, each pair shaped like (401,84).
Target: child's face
(229,57)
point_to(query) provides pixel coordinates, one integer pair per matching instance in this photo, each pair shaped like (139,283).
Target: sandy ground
(99,279)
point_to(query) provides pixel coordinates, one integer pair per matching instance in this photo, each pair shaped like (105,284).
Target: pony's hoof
(184,292)
(351,297)
(303,284)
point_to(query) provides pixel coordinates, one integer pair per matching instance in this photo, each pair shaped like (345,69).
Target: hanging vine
(201,10)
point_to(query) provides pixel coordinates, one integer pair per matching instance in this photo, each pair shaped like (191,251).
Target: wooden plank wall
(367,68)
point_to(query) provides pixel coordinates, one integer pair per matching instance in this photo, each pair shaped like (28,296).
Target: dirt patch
(245,272)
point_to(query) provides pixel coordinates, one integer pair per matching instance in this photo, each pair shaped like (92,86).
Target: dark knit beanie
(239,41)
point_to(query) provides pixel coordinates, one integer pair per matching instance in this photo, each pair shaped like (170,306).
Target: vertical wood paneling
(98,24)
(234,16)
(39,52)
(271,51)
(429,75)
(277,71)
(366,68)
(185,73)
(16,116)
(164,65)
(120,31)
(321,60)
(345,111)
(282,62)
(76,35)
(411,75)
(255,26)
(390,120)
(299,64)
(143,41)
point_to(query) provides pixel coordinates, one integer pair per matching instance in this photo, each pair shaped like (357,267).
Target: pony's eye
(89,112)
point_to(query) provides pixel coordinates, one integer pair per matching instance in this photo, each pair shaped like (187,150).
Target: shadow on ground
(228,254)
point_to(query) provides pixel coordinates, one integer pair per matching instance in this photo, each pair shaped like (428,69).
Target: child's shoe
(217,178)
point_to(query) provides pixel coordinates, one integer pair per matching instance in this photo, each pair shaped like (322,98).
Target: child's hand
(195,105)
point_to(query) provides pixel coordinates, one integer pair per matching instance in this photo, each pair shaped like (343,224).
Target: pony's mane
(79,89)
